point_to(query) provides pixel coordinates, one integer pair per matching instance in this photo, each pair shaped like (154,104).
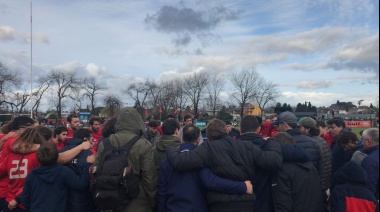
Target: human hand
(12,204)
(249,186)
(86,145)
(91,158)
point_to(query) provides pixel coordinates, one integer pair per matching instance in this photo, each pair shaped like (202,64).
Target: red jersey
(17,167)
(329,138)
(159,129)
(5,150)
(60,145)
(70,135)
(96,137)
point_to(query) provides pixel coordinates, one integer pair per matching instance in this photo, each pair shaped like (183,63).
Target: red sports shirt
(17,167)
(5,150)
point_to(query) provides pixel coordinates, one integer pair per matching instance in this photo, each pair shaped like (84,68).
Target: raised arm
(68,156)
(188,160)
(271,159)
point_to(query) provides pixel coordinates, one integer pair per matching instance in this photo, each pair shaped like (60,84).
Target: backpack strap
(108,148)
(127,148)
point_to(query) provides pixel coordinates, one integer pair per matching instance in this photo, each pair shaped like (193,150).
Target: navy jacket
(371,165)
(229,159)
(309,145)
(186,190)
(350,191)
(262,179)
(47,187)
(79,201)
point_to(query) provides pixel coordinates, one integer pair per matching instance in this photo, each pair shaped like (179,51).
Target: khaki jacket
(128,125)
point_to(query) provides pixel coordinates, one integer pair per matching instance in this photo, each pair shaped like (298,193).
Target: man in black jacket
(296,186)
(287,122)
(229,159)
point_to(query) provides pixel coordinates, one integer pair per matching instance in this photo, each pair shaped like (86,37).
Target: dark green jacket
(128,125)
(163,143)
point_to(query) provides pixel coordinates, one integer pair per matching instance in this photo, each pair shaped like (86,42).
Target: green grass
(357,130)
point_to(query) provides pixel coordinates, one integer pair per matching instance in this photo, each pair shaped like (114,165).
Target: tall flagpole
(31,58)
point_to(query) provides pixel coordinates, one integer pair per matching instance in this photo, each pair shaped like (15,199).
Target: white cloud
(315,85)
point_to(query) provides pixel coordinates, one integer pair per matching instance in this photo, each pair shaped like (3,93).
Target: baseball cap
(287,117)
(307,122)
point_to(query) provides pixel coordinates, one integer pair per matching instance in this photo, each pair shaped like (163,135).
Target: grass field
(357,130)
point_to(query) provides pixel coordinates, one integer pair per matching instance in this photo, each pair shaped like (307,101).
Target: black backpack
(114,184)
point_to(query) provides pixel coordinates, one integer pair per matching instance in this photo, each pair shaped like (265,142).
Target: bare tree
(267,92)
(194,87)
(140,93)
(113,104)
(43,84)
(92,88)
(8,80)
(64,82)
(18,100)
(245,84)
(214,88)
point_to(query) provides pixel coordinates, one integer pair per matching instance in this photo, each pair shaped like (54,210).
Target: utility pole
(31,57)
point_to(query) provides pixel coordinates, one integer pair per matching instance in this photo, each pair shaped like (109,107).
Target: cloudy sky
(315,50)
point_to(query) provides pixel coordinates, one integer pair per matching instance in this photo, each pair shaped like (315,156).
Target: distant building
(252,109)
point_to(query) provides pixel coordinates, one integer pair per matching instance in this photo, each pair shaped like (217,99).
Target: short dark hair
(228,123)
(153,123)
(249,124)
(190,134)
(259,119)
(59,130)
(93,119)
(19,122)
(284,138)
(321,124)
(187,117)
(70,117)
(338,121)
(47,154)
(170,116)
(170,126)
(109,127)
(216,129)
(42,120)
(346,137)
(82,133)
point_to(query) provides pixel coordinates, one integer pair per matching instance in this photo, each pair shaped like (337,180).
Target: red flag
(146,112)
(160,110)
(176,111)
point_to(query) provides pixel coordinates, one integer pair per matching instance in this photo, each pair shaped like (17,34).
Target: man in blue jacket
(80,201)
(186,190)
(47,186)
(371,163)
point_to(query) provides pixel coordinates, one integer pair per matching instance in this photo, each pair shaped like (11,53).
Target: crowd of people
(274,165)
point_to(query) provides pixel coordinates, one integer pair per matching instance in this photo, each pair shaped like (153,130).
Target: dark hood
(48,173)
(128,125)
(351,173)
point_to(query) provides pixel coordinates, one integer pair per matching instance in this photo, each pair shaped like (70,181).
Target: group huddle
(120,165)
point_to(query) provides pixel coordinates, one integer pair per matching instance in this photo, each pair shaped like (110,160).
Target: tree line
(193,93)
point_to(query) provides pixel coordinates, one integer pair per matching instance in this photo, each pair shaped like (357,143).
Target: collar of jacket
(166,141)
(250,136)
(294,132)
(371,149)
(186,147)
